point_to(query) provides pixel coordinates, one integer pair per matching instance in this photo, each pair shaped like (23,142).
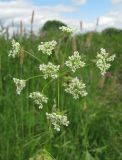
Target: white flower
(15,49)
(57,120)
(20,84)
(103,60)
(49,70)
(75,62)
(47,47)
(66,29)
(38,98)
(76,88)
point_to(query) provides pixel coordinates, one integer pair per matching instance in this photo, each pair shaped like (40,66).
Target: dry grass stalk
(21,56)
(32,17)
(7,32)
(97,24)
(102,82)
(32,21)
(81,25)
(21,28)
(89,40)
(74,46)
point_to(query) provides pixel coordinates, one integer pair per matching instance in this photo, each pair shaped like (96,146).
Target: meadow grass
(95,131)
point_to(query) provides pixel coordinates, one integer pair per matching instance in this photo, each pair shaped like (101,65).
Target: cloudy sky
(71,12)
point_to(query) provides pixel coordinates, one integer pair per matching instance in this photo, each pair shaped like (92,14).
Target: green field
(95,129)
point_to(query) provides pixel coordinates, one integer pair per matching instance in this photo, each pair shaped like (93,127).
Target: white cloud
(116,1)
(104,20)
(22,8)
(17,10)
(113,18)
(79,2)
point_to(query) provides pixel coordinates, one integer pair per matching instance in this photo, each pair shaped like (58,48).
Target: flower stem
(88,64)
(32,56)
(47,84)
(58,92)
(34,77)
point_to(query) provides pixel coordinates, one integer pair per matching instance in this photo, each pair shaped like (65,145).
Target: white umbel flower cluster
(57,120)
(74,62)
(49,70)
(20,84)
(15,49)
(66,29)
(103,60)
(47,47)
(38,98)
(76,88)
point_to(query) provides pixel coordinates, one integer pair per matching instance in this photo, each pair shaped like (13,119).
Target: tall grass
(95,129)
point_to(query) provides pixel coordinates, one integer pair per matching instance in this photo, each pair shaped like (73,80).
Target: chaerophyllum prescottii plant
(103,61)
(75,86)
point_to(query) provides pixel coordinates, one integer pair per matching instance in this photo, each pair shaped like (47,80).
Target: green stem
(47,84)
(34,77)
(58,92)
(52,81)
(33,56)
(88,64)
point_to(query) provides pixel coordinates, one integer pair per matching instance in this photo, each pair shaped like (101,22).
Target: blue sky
(70,12)
(90,10)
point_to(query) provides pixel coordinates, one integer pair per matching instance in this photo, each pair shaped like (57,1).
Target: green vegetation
(52,25)
(94,132)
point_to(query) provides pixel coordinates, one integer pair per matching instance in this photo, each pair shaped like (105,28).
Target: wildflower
(20,84)
(75,62)
(47,47)
(49,70)
(15,49)
(57,120)
(76,88)
(103,60)
(66,29)
(38,98)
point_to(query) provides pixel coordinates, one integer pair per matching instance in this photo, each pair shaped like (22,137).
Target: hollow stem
(47,84)
(58,92)
(32,56)
(34,77)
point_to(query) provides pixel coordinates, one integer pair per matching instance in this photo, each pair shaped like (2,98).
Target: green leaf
(87,156)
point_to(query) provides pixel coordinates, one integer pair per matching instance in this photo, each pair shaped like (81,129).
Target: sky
(71,12)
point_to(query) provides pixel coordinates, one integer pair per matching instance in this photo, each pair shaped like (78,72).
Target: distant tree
(111,31)
(52,25)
